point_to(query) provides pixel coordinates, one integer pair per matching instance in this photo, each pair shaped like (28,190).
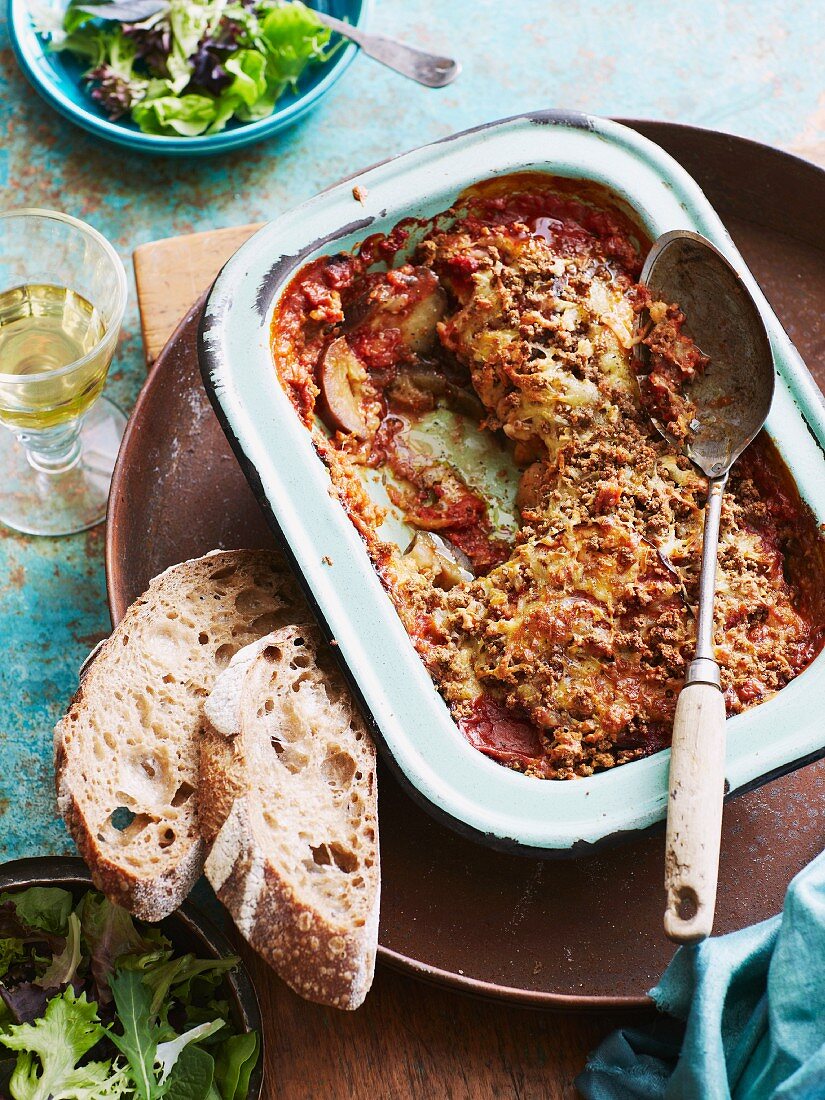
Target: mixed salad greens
(95,1006)
(180,68)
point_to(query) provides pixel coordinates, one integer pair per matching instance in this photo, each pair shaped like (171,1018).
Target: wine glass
(62,296)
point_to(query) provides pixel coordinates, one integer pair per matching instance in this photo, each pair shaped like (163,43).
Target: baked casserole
(469,383)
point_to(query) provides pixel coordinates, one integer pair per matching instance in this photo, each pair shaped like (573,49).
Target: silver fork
(425,68)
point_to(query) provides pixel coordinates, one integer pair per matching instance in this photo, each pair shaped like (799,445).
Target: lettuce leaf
(45,908)
(50,1049)
(248,68)
(63,967)
(92,1081)
(247,95)
(293,36)
(12,950)
(192,1077)
(235,1058)
(176,116)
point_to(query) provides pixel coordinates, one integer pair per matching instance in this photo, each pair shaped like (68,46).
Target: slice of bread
(288,797)
(126,754)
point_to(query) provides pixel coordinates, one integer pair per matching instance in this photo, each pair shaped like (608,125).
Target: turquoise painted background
(751,68)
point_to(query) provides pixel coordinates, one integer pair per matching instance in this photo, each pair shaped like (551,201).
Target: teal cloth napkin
(753,1010)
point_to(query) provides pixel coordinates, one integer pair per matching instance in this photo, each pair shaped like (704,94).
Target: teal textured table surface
(752,69)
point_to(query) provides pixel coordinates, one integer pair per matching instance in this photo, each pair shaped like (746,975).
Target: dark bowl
(188,930)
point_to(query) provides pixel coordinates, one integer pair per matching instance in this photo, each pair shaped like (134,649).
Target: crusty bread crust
(220,779)
(220,782)
(296,858)
(126,753)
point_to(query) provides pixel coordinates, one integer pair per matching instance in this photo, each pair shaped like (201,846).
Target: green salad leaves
(181,68)
(94,1005)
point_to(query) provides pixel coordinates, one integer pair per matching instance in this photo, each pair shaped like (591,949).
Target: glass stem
(54,450)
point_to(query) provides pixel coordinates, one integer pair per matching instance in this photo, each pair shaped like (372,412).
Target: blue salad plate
(57,77)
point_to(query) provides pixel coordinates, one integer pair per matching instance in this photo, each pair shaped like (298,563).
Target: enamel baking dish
(414,729)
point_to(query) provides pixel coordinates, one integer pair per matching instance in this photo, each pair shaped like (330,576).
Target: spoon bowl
(733,396)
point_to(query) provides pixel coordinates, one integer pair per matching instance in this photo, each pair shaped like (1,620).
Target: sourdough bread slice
(126,754)
(288,774)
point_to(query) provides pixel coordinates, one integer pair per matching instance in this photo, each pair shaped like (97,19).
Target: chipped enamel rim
(452,780)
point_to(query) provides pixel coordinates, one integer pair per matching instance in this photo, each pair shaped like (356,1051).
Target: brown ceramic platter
(571,934)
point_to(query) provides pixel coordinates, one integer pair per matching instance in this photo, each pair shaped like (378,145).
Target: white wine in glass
(62,295)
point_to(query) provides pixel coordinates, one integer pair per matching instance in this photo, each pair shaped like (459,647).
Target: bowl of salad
(96,1005)
(182,77)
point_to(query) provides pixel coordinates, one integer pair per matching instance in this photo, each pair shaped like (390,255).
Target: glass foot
(38,503)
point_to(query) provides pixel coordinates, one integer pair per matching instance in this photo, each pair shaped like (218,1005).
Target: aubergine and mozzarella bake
(471,378)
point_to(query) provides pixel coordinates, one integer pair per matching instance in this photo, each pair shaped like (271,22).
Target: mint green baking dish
(414,729)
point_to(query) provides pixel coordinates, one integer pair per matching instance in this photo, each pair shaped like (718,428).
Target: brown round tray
(575,934)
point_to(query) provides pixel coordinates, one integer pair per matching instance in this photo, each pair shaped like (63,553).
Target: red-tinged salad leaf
(207,68)
(181,68)
(109,934)
(113,82)
(152,46)
(26,1001)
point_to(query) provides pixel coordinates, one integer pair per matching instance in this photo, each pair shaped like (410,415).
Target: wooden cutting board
(173,273)
(409,1039)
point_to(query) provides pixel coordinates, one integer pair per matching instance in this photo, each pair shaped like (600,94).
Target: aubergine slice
(341,373)
(409,300)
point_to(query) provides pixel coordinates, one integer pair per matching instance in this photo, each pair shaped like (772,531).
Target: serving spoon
(425,68)
(732,399)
